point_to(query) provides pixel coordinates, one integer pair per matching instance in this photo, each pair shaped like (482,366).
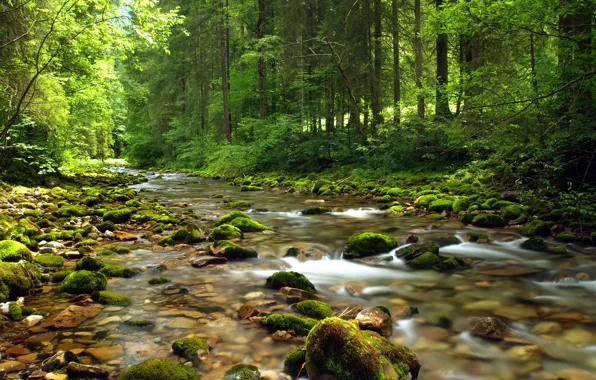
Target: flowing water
(504,281)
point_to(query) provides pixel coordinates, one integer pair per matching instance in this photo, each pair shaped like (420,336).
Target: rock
(368,244)
(32,320)
(484,305)
(411,239)
(403,312)
(289,279)
(546,328)
(377,320)
(201,262)
(72,316)
(242,372)
(269,375)
(314,309)
(191,348)
(11,366)
(125,236)
(516,312)
(105,354)
(304,253)
(536,228)
(232,251)
(84,282)
(337,349)
(282,336)
(59,360)
(225,232)
(82,371)
(254,296)
(17,351)
(181,323)
(247,311)
(294,362)
(298,295)
(510,271)
(159,369)
(288,322)
(492,328)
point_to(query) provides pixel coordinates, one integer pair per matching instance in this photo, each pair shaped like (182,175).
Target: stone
(517,312)
(546,328)
(485,305)
(403,312)
(72,316)
(17,351)
(32,320)
(269,375)
(112,319)
(510,271)
(11,366)
(58,361)
(375,319)
(524,353)
(125,236)
(105,354)
(298,295)
(254,296)
(55,376)
(305,252)
(181,323)
(77,370)
(247,311)
(492,328)
(37,340)
(201,262)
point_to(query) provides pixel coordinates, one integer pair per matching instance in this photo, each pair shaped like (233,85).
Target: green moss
(368,244)
(535,243)
(118,271)
(32,213)
(318,210)
(536,228)
(241,205)
(84,282)
(13,251)
(120,249)
(14,311)
(396,209)
(475,236)
(425,200)
(460,204)
(242,372)
(283,279)
(225,232)
(109,298)
(425,261)
(385,310)
(17,280)
(58,192)
(411,251)
(488,221)
(159,369)
(92,201)
(230,216)
(384,199)
(394,191)
(248,225)
(106,252)
(49,261)
(566,237)
(58,277)
(27,205)
(89,264)
(118,216)
(251,188)
(558,250)
(133,203)
(294,361)
(314,309)
(300,325)
(188,234)
(436,217)
(158,280)
(106,226)
(72,211)
(28,310)
(190,348)
(151,215)
(441,205)
(233,251)
(450,264)
(140,323)
(512,212)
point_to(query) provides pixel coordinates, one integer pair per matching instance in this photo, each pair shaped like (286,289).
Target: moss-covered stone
(58,277)
(133,203)
(72,211)
(441,205)
(314,309)
(425,200)
(536,228)
(159,369)
(284,279)
(367,244)
(559,250)
(190,348)
(340,350)
(106,226)
(294,361)
(475,236)
(118,271)
(566,237)
(450,264)
(488,221)
(425,261)
(240,205)
(225,232)
(151,215)
(460,204)
(317,210)
(14,251)
(233,251)
(32,213)
(106,252)
(50,261)
(118,216)
(158,280)
(242,372)
(17,279)
(251,188)
(384,199)
(300,325)
(535,243)
(109,298)
(84,282)
(413,250)
(248,225)
(14,311)
(89,263)
(396,209)
(226,219)
(512,212)
(188,234)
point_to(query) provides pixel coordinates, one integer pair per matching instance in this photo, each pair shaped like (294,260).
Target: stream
(535,293)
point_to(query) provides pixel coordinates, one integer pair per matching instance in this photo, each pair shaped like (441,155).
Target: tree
(442,100)
(418,57)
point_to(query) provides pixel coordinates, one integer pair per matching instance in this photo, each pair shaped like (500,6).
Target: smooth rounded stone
(17,351)
(510,271)
(181,323)
(111,309)
(546,328)
(434,333)
(298,295)
(201,262)
(77,370)
(32,320)
(403,312)
(304,252)
(423,344)
(254,296)
(105,354)
(113,319)
(524,353)
(11,366)
(27,359)
(55,376)
(583,277)
(375,319)
(485,305)
(247,311)
(517,312)
(578,336)
(489,327)
(269,375)
(72,316)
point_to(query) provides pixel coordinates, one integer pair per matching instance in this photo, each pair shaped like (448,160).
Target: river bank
(542,296)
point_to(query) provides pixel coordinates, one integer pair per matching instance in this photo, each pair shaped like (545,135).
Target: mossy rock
(424,201)
(441,205)
(449,240)
(118,216)
(109,298)
(290,279)
(50,261)
(340,350)
(158,280)
(17,279)
(558,250)
(460,204)
(188,234)
(225,232)
(233,251)
(414,250)
(294,361)
(314,309)
(488,221)
(226,219)
(14,311)
(190,348)
(242,372)
(425,261)
(140,324)
(512,212)
(396,209)
(384,199)
(394,191)
(450,264)
(14,251)
(159,369)
(566,237)
(251,188)
(84,282)
(120,249)
(27,205)
(318,210)
(241,205)
(106,226)
(300,325)
(58,277)
(248,225)
(535,243)
(118,271)
(475,236)
(89,263)
(106,252)
(133,203)
(72,211)
(368,244)
(151,215)
(536,228)
(32,213)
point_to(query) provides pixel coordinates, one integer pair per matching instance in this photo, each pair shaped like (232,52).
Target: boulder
(368,244)
(375,319)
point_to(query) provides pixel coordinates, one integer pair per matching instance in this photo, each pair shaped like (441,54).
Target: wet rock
(304,253)
(492,328)
(375,319)
(181,323)
(269,375)
(82,371)
(294,362)
(288,322)
(368,244)
(37,340)
(191,348)
(243,372)
(247,311)
(232,251)
(125,236)
(201,262)
(403,312)
(289,279)
(546,328)
(298,295)
(72,316)
(59,360)
(583,277)
(159,369)
(105,354)
(411,239)
(32,320)
(282,336)
(11,366)
(510,271)
(517,312)
(17,351)
(254,296)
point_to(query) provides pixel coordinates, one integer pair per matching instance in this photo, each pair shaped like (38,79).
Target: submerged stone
(289,279)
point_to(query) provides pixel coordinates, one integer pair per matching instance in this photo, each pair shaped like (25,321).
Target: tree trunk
(377,101)
(442,100)
(223,36)
(418,57)
(396,65)
(261,30)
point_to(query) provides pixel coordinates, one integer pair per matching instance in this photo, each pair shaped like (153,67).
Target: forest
(313,189)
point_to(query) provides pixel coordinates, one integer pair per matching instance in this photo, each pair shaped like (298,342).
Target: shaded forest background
(245,86)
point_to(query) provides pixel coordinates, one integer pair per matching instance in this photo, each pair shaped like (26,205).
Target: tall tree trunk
(377,100)
(329,104)
(418,57)
(368,98)
(396,65)
(442,100)
(223,36)
(261,30)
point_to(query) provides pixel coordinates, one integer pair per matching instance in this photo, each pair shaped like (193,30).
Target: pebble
(269,375)
(546,328)
(486,305)
(254,296)
(105,354)
(11,366)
